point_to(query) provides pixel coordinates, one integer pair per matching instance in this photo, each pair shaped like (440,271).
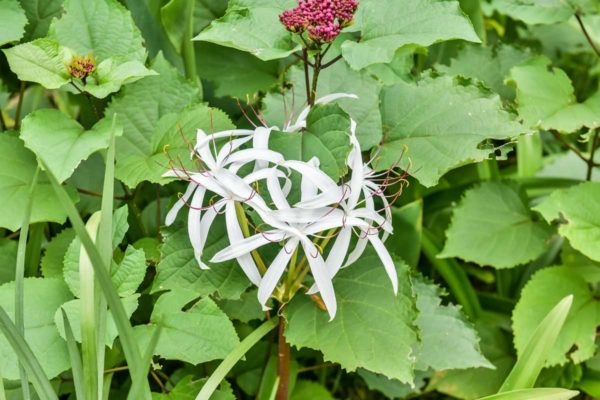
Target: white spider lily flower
(301,120)
(221,179)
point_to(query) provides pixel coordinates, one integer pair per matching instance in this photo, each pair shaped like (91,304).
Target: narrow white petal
(371,215)
(249,155)
(386,259)
(194,230)
(358,250)
(208,218)
(303,215)
(260,140)
(318,177)
(336,255)
(204,140)
(335,96)
(321,275)
(229,148)
(276,192)
(203,150)
(245,246)
(308,189)
(275,271)
(234,232)
(208,182)
(357,179)
(172,214)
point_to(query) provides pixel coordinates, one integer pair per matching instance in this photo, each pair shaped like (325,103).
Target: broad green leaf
(397,70)
(546,98)
(578,211)
(309,390)
(387,25)
(536,12)
(200,333)
(43,61)
(442,123)
(535,394)
(73,310)
(54,255)
(373,329)
(493,226)
(112,73)
(246,75)
(187,389)
(39,14)
(245,309)
(176,17)
(326,137)
(206,11)
(43,298)
(171,139)
(391,388)
(129,273)
(545,289)
(447,340)
(339,78)
(8,260)
(532,358)
(14,187)
(477,382)
(103,28)
(12,20)
(61,142)
(142,104)
(490,65)
(178,268)
(253,26)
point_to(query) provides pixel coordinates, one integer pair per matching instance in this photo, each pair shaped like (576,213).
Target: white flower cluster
(326,208)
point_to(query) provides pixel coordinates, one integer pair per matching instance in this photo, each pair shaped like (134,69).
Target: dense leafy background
(493,105)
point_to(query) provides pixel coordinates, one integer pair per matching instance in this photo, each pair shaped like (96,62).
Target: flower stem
(591,163)
(283,364)
(306,73)
(587,35)
(243,220)
(315,79)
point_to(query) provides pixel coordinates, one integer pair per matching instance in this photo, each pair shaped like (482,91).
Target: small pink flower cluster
(81,66)
(322,19)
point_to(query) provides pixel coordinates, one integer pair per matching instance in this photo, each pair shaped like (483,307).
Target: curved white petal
(203,150)
(276,192)
(260,141)
(248,244)
(303,215)
(172,214)
(208,182)
(194,230)
(318,177)
(208,218)
(249,155)
(234,232)
(275,271)
(321,275)
(371,215)
(336,255)
(357,179)
(386,259)
(308,189)
(204,140)
(229,148)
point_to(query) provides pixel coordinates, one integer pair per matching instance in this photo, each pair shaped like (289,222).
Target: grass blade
(2,391)
(130,348)
(227,364)
(104,244)
(74,356)
(26,358)
(534,394)
(89,339)
(530,363)
(137,381)
(20,277)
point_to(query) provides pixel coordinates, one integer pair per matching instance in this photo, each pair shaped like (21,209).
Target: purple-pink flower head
(323,19)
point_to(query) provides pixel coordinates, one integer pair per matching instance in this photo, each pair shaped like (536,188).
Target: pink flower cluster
(322,19)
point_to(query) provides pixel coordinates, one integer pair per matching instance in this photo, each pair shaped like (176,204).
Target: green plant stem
(19,107)
(34,249)
(306,73)
(20,277)
(243,220)
(283,362)
(232,358)
(315,79)
(587,35)
(75,358)
(290,275)
(188,53)
(591,163)
(2,391)
(455,277)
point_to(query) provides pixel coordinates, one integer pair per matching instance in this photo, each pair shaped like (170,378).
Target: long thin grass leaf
(88,306)
(104,244)
(534,394)
(128,342)
(27,359)
(138,381)
(2,391)
(20,278)
(232,358)
(75,357)
(530,363)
